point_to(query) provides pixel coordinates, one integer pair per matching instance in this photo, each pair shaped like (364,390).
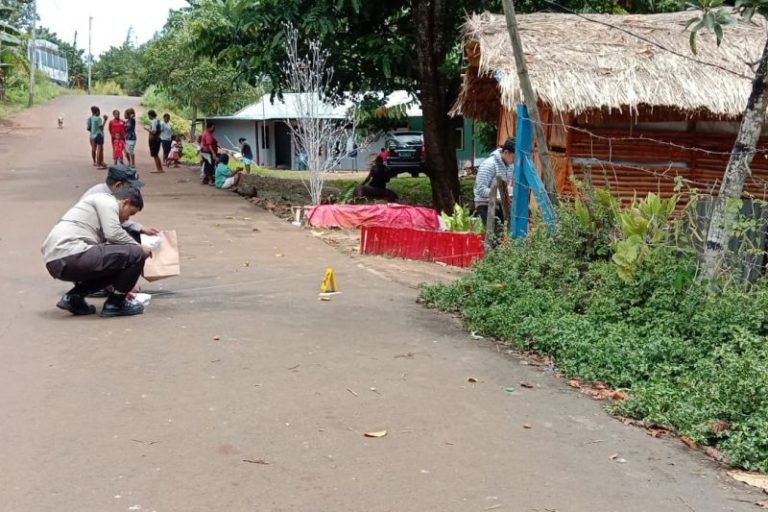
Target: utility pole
(32,54)
(90,55)
(529,97)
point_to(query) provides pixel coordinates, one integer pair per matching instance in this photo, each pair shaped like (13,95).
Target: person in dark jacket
(375,184)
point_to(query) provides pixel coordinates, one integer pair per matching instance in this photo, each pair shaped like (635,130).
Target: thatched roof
(578,65)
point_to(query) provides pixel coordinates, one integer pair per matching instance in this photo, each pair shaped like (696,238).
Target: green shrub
(107,88)
(690,358)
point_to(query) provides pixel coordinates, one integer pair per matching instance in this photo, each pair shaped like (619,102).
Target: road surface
(238,390)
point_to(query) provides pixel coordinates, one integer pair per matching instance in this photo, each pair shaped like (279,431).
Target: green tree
(714,17)
(125,65)
(11,54)
(206,87)
(373,46)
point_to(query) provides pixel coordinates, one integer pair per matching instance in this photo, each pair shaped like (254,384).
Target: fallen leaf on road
(615,457)
(472,379)
(527,426)
(619,395)
(475,336)
(256,461)
(690,443)
(574,384)
(216,338)
(750,478)
(378,433)
(720,426)
(655,431)
(509,390)
(716,454)
(526,385)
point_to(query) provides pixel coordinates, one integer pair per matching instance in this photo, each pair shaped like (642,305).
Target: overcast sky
(111,19)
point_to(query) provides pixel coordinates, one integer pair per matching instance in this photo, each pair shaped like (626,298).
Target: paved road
(154,413)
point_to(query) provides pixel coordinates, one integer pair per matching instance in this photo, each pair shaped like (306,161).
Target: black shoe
(75,304)
(99,294)
(116,305)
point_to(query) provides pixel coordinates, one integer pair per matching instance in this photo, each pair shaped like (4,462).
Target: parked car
(405,152)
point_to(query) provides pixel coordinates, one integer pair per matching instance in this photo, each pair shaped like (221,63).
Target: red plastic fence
(457,249)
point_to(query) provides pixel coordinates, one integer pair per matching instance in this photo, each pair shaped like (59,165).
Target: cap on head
(124,173)
(509,145)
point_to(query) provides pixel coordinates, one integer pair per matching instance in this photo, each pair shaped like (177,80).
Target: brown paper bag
(165,258)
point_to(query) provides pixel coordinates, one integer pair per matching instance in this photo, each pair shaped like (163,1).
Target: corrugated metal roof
(287,108)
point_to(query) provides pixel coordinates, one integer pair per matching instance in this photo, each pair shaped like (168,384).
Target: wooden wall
(629,155)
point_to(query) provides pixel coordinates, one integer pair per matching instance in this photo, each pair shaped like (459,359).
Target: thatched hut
(622,95)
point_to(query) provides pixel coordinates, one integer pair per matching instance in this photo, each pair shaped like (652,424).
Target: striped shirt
(486,174)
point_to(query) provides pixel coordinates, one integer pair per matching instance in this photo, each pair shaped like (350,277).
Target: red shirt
(117,126)
(208,143)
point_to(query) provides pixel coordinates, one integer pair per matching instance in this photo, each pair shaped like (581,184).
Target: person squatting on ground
(130,137)
(117,136)
(226,178)
(209,147)
(89,247)
(95,129)
(154,140)
(499,163)
(247,154)
(119,176)
(375,184)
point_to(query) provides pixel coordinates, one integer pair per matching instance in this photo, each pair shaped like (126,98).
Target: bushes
(693,360)
(107,88)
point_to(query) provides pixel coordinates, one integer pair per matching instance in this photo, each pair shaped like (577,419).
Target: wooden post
(490,221)
(501,186)
(530,99)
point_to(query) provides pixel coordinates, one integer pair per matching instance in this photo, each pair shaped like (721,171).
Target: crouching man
(90,248)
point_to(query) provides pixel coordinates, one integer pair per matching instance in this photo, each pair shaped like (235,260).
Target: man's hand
(150,231)
(147,251)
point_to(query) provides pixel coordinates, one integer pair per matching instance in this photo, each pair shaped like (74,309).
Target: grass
(18,96)
(690,359)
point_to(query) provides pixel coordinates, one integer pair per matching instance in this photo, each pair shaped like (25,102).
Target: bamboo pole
(529,98)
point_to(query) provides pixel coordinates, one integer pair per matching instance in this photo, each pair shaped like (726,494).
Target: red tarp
(458,249)
(356,215)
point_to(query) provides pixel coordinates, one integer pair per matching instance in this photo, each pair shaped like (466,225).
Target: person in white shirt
(89,247)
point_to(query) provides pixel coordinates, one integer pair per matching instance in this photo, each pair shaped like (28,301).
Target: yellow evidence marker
(329,283)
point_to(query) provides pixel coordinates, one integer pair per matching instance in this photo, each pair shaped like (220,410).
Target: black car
(405,152)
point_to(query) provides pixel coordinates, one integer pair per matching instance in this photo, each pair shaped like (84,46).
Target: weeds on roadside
(691,359)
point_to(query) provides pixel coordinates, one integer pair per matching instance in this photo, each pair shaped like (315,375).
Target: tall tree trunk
(193,123)
(433,44)
(723,214)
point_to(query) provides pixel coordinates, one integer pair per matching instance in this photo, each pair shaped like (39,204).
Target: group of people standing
(122,134)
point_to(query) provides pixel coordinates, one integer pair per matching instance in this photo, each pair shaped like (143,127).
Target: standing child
(118,148)
(245,150)
(154,140)
(175,155)
(166,137)
(117,135)
(224,177)
(130,137)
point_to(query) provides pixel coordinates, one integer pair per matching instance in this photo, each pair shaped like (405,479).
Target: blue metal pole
(520,193)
